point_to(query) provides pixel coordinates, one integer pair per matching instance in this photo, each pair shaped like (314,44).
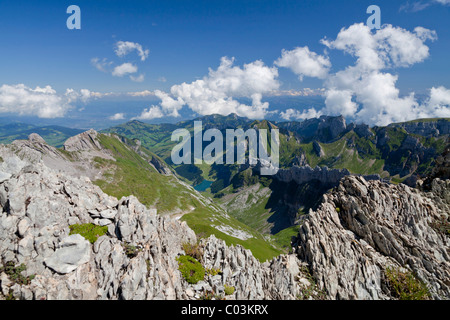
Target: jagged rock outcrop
(329,177)
(83,141)
(37,208)
(426,128)
(323,129)
(362,227)
(441,169)
(278,279)
(318,149)
(79,163)
(362,130)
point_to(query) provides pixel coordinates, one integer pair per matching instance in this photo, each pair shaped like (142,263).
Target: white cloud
(421,5)
(40,102)
(339,102)
(139,78)
(117,116)
(438,104)
(144,93)
(216,92)
(154,112)
(101,64)
(304,63)
(365,91)
(125,47)
(124,69)
(292,114)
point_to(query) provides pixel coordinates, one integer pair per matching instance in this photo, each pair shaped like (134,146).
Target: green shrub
(312,291)
(191,269)
(88,230)
(405,286)
(15,273)
(130,250)
(213,272)
(229,290)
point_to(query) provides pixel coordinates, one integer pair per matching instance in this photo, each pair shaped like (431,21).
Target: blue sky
(185,38)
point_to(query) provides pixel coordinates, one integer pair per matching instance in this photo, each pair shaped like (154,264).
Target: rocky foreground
(344,249)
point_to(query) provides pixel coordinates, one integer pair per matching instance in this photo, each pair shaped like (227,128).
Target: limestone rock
(73,251)
(362,227)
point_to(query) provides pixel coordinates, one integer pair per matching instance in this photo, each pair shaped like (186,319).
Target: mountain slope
(121,168)
(361,241)
(399,152)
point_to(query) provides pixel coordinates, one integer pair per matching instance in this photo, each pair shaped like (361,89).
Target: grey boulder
(72,253)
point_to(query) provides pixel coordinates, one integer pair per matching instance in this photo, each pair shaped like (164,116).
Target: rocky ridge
(364,227)
(38,206)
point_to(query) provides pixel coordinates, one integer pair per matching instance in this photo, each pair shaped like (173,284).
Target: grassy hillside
(130,174)
(269,209)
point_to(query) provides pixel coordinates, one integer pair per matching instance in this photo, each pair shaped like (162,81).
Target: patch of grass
(191,269)
(133,175)
(311,292)
(193,250)
(130,250)
(213,272)
(199,221)
(89,231)
(229,290)
(405,286)
(284,237)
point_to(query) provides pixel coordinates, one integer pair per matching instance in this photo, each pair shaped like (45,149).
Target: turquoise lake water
(205,184)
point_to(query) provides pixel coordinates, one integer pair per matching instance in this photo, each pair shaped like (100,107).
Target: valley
(234,202)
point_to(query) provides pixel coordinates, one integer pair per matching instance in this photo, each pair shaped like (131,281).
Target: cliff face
(364,227)
(323,129)
(429,128)
(329,177)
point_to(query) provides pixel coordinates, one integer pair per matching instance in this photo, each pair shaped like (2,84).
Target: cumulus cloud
(304,63)
(124,69)
(216,93)
(365,91)
(41,102)
(154,112)
(117,116)
(438,104)
(125,47)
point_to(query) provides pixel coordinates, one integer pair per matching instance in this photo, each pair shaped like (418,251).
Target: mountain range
(349,175)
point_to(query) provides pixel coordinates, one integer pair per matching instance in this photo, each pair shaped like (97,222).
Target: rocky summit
(62,237)
(134,259)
